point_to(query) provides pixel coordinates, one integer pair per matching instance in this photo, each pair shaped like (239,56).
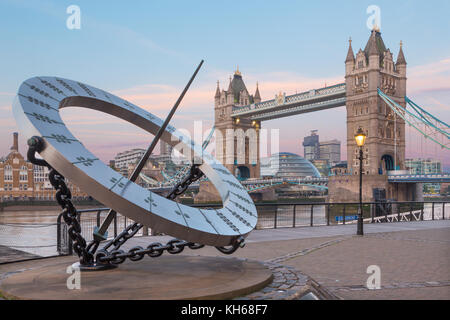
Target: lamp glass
(360,138)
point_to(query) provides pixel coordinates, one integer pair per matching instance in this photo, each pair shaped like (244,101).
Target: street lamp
(360,138)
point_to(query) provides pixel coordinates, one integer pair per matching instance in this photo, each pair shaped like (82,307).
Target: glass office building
(285,164)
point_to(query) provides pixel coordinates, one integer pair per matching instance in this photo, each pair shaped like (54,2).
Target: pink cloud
(108,135)
(433,76)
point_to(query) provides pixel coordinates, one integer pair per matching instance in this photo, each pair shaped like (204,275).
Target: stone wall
(346,189)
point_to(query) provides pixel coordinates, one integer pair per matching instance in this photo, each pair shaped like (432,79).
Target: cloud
(7,123)
(126,35)
(162,96)
(439,105)
(107,135)
(429,78)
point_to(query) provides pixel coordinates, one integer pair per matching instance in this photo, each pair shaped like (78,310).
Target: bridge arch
(387,163)
(242,173)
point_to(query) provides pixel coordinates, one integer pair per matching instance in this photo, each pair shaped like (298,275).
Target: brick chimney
(15,145)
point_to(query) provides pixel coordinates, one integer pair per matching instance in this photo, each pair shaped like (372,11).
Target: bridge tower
(384,150)
(239,140)
(374,68)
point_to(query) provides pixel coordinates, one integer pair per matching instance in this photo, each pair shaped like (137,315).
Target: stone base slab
(164,278)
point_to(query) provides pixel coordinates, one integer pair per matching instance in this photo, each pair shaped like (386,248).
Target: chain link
(115,256)
(64,198)
(153,250)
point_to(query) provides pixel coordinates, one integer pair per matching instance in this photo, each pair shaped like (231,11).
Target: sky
(145,52)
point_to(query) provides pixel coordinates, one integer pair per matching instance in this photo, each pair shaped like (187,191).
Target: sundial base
(93,266)
(167,277)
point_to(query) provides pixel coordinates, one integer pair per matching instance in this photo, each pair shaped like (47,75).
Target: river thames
(35,231)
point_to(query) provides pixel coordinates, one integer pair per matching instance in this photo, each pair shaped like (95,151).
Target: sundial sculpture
(36,110)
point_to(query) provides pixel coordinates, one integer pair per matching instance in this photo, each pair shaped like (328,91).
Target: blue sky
(145,51)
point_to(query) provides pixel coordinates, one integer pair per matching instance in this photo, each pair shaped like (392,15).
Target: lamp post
(360,138)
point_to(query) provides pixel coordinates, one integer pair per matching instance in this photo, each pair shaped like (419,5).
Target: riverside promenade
(414,257)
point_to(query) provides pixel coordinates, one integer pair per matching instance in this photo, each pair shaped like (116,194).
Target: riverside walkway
(414,257)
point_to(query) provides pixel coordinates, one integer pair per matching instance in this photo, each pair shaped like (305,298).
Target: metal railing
(18,238)
(89,219)
(301,214)
(280,215)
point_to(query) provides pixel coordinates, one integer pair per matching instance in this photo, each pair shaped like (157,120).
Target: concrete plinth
(167,277)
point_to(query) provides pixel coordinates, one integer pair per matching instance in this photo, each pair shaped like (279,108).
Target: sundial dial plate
(36,109)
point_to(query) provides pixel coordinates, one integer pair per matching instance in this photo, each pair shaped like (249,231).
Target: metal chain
(116,256)
(153,250)
(194,174)
(63,197)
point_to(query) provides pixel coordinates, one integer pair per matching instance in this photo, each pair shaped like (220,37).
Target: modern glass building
(426,166)
(330,150)
(423,166)
(311,146)
(285,164)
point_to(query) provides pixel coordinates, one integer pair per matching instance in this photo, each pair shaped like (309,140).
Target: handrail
(263,204)
(411,209)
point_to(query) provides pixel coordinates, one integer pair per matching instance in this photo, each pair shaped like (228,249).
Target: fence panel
(27,234)
(267,217)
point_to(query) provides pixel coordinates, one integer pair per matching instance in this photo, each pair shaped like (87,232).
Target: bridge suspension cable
(429,126)
(149,180)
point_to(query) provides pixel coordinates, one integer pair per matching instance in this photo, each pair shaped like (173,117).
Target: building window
(8,174)
(23,174)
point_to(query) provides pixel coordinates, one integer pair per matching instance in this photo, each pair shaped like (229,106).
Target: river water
(30,231)
(35,232)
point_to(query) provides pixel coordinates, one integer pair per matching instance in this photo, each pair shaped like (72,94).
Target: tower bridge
(374,94)
(320,183)
(284,106)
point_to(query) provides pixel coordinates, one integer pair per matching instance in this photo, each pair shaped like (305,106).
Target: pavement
(8,254)
(268,235)
(413,257)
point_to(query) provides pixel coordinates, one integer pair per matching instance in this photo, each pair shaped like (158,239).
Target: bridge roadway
(283,106)
(320,183)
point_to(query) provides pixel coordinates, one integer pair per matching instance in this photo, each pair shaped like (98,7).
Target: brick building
(21,180)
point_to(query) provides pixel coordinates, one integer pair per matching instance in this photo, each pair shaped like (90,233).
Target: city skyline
(148,61)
